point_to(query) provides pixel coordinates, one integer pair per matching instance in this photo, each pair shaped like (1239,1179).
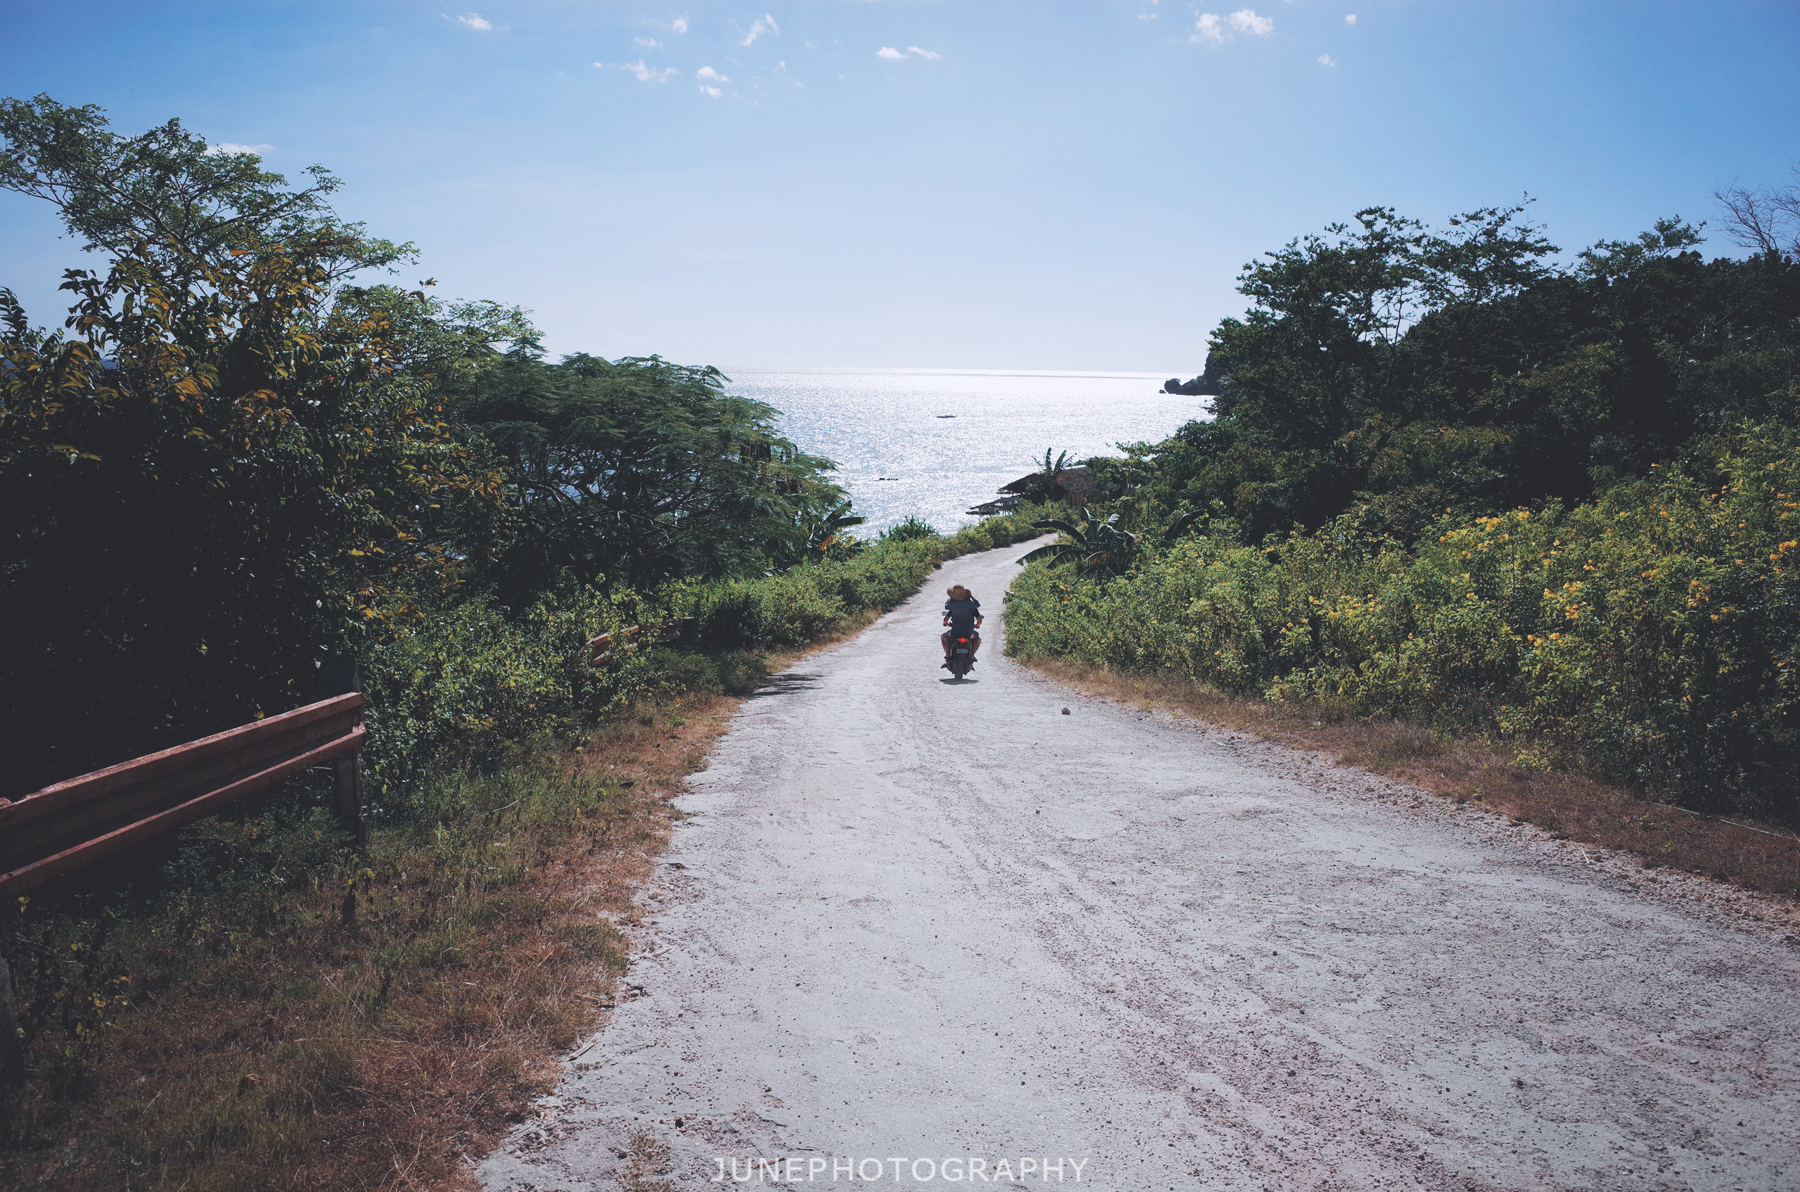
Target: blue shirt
(962,614)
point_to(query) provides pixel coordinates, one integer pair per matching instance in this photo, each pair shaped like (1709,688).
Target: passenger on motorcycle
(962,612)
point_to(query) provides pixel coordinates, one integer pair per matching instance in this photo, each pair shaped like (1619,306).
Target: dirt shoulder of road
(404,1027)
(386,1034)
(1758,865)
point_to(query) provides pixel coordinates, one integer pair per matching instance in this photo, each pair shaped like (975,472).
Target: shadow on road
(784,685)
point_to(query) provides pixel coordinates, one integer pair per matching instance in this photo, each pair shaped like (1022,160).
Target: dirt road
(920,933)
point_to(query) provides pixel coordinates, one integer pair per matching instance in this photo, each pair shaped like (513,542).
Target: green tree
(1413,371)
(635,471)
(223,470)
(1319,351)
(168,198)
(824,531)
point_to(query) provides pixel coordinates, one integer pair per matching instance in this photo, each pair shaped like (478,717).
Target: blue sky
(932,183)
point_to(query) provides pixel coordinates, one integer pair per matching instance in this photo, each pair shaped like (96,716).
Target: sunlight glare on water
(898,454)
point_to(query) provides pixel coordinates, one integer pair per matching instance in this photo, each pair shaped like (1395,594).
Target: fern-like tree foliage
(227,465)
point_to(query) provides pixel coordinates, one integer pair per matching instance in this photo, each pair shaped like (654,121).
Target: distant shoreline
(865,370)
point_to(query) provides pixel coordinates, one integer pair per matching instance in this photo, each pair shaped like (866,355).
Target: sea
(931,443)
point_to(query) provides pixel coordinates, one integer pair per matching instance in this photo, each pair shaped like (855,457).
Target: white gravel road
(920,933)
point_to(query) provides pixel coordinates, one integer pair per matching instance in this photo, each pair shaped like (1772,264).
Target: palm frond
(1051,552)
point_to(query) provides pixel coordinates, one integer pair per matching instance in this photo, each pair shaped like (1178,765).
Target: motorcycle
(962,655)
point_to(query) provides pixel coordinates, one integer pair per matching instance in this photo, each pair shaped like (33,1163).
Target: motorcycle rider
(962,612)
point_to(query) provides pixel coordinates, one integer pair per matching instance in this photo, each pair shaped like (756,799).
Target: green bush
(1648,636)
(911,527)
(470,683)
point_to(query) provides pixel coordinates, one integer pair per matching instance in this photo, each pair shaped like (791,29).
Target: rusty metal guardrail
(73,824)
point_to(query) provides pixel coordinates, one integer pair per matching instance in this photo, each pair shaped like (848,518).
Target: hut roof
(1077,472)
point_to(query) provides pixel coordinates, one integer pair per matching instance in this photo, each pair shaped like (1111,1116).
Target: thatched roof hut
(1075,484)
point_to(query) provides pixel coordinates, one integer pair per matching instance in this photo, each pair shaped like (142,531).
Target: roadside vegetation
(1549,508)
(1466,768)
(238,466)
(263,1005)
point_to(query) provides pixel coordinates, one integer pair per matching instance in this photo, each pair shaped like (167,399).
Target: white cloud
(679,24)
(645,74)
(933,55)
(234,147)
(710,75)
(648,43)
(764,24)
(1350,19)
(890,53)
(1245,20)
(1217,30)
(476,21)
(712,91)
(1325,60)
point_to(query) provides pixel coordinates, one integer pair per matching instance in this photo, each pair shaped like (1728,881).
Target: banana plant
(1043,483)
(824,532)
(1095,547)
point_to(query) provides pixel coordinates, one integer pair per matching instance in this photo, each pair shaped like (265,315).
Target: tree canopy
(238,458)
(638,471)
(1407,371)
(167,195)
(222,470)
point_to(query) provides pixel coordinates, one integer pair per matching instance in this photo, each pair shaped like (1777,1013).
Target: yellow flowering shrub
(1649,636)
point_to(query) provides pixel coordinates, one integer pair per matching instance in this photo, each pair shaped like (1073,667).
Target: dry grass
(282,1014)
(381,1034)
(1568,805)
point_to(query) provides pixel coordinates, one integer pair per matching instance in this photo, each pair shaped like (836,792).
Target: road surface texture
(923,934)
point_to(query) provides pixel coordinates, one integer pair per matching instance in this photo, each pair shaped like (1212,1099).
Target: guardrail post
(12,1054)
(344,672)
(350,808)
